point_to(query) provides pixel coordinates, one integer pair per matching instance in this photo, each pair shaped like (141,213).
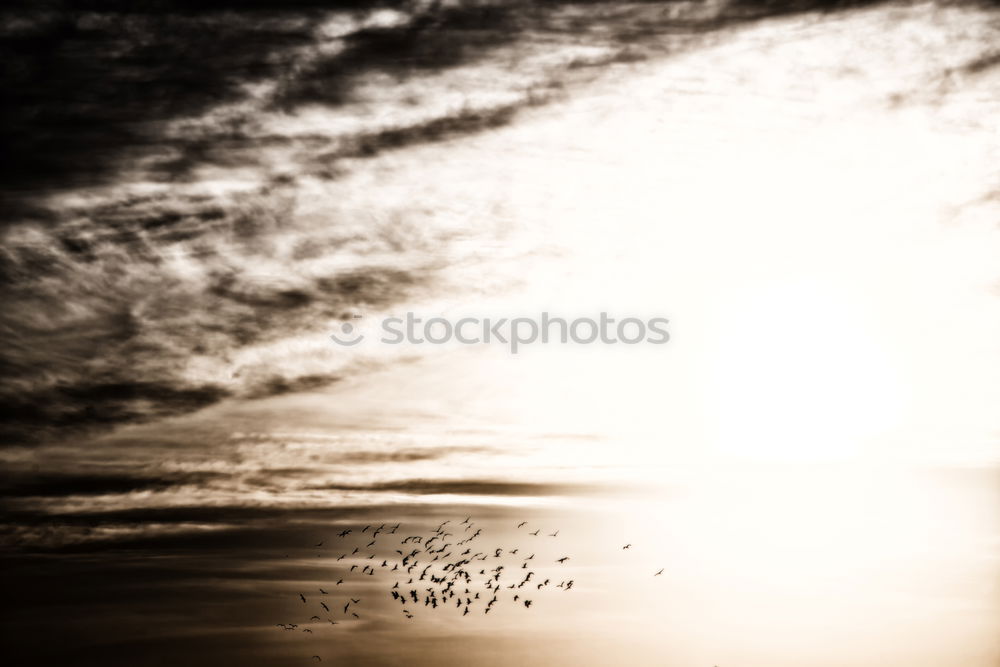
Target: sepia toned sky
(196,197)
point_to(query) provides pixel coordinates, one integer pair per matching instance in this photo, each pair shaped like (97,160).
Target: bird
(447,569)
(659,573)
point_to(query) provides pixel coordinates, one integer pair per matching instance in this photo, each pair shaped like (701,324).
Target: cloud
(89,89)
(466,487)
(68,484)
(38,415)
(107,326)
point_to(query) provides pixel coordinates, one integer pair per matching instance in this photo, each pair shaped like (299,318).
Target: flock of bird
(446,568)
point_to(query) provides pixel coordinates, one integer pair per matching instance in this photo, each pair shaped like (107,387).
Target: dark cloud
(100,327)
(92,83)
(43,413)
(230,528)
(982,64)
(405,455)
(443,37)
(69,484)
(467,487)
(250,515)
(437,129)
(277,385)
(768,8)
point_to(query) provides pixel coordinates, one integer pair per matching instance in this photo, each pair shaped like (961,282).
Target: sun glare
(796,376)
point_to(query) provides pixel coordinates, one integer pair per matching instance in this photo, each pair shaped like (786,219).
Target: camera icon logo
(347,336)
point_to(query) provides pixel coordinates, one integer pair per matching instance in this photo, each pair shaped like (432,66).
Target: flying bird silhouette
(446,568)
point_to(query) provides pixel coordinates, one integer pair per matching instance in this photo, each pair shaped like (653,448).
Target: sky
(197,197)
